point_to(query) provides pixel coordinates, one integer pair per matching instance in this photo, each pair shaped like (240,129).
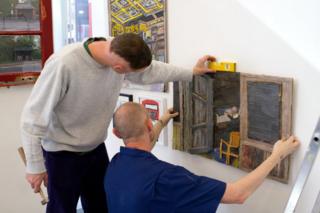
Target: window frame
(8,79)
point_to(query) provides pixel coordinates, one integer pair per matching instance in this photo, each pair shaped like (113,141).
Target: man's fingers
(293,142)
(288,139)
(36,189)
(36,186)
(170,110)
(35,180)
(296,142)
(291,138)
(210,70)
(45,181)
(209,58)
(174,114)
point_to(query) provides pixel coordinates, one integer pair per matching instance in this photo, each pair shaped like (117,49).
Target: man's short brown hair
(133,49)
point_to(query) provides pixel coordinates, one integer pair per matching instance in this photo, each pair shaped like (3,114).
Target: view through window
(25,40)
(78,20)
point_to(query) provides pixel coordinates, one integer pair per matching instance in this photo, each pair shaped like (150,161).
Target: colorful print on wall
(147,18)
(156,107)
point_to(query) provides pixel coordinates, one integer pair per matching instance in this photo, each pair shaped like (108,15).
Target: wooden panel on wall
(198,120)
(252,157)
(178,106)
(234,118)
(176,100)
(266,106)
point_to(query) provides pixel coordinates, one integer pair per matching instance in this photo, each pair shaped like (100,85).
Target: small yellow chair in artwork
(234,142)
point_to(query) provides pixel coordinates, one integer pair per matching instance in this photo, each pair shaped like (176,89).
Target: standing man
(65,120)
(138,182)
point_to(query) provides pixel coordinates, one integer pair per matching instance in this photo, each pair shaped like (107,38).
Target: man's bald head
(130,120)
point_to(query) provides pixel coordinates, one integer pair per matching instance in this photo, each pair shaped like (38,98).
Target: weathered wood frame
(190,95)
(178,139)
(286,110)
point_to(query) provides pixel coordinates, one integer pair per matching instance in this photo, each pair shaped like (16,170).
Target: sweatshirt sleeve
(159,72)
(48,90)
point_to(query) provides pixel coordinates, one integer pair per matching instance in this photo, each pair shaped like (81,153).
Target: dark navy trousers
(72,175)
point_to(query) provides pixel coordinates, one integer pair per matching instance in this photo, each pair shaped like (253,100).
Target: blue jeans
(72,175)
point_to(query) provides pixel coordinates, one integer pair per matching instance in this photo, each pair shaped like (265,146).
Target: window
(25,40)
(78,20)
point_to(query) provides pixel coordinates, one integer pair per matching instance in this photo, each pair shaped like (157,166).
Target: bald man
(136,181)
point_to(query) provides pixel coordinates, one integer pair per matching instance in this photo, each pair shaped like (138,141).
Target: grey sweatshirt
(72,102)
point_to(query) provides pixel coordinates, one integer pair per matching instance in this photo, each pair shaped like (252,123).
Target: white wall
(15,194)
(100,23)
(231,31)
(59,8)
(296,21)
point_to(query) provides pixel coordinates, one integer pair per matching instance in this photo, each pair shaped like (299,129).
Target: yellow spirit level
(223,66)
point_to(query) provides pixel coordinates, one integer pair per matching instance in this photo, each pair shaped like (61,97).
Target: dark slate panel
(226,89)
(264,111)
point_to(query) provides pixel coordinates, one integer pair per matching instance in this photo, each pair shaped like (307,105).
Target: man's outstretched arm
(160,72)
(162,122)
(240,190)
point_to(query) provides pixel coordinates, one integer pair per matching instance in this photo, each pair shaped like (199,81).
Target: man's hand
(201,66)
(162,122)
(168,115)
(240,190)
(35,180)
(282,148)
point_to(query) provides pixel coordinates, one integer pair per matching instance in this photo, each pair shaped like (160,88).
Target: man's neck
(142,143)
(99,51)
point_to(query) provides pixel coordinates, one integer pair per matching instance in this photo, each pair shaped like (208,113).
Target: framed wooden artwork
(147,18)
(156,107)
(266,106)
(234,118)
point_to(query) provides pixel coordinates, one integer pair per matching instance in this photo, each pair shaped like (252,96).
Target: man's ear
(116,133)
(118,68)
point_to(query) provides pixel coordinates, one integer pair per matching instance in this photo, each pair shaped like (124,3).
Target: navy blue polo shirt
(137,182)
